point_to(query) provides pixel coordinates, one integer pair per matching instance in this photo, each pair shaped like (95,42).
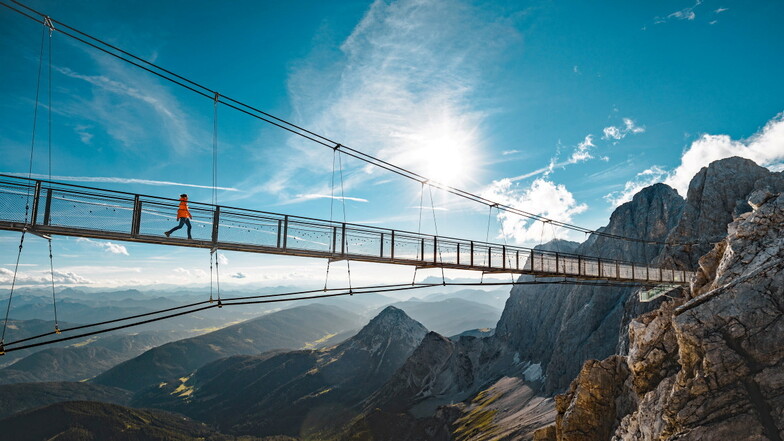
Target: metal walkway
(72,210)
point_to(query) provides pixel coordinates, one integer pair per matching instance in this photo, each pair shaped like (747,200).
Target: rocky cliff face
(561,326)
(710,368)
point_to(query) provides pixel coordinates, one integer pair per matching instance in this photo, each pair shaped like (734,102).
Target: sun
(445,154)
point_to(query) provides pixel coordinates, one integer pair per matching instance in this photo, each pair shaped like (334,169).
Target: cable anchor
(216,98)
(2,348)
(48,23)
(337,146)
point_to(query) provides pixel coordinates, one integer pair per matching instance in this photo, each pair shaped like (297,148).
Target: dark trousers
(183,221)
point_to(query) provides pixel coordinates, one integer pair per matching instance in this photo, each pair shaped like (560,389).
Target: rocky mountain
(294,393)
(299,327)
(559,327)
(19,397)
(547,332)
(85,420)
(450,316)
(700,369)
(717,194)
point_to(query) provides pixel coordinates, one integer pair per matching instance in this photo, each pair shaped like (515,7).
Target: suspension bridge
(47,208)
(54,208)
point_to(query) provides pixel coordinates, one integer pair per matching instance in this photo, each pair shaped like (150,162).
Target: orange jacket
(183,210)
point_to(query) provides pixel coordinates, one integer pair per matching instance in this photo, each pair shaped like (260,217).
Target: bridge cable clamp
(48,23)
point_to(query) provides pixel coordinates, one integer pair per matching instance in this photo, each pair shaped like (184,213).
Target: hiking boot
(167,233)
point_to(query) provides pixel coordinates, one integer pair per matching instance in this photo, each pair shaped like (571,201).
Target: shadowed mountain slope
(85,420)
(299,327)
(18,397)
(294,393)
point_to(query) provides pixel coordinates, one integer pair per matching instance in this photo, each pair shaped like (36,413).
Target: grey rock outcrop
(712,367)
(717,194)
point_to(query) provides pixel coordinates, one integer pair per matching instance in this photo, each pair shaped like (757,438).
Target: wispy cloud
(119,98)
(239,275)
(116,180)
(400,90)
(581,153)
(311,196)
(509,152)
(683,14)
(766,147)
(617,133)
(720,10)
(109,247)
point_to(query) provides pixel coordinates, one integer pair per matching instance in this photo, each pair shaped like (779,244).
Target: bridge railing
(91,212)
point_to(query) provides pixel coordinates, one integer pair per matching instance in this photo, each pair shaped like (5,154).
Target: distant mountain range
(311,325)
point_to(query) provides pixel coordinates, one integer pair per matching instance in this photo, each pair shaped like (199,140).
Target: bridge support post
(503,256)
(284,238)
(392,246)
(48,206)
(381,252)
(435,249)
(472,253)
(36,196)
(137,216)
(215,223)
(342,238)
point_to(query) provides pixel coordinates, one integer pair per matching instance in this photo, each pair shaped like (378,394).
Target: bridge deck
(72,210)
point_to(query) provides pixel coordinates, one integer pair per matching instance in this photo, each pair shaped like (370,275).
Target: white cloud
(222,259)
(190,275)
(107,246)
(239,275)
(641,180)
(720,10)
(766,148)
(115,180)
(582,152)
(542,197)
(509,152)
(617,132)
(42,278)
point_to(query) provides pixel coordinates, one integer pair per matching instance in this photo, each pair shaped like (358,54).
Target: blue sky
(560,108)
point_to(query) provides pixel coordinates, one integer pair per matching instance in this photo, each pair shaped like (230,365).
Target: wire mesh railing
(57,208)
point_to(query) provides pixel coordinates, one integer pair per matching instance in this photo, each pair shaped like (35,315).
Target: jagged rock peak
(717,194)
(394,323)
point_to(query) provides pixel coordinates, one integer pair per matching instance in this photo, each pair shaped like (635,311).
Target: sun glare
(445,154)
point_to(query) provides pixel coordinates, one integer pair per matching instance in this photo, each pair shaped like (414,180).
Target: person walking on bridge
(183,215)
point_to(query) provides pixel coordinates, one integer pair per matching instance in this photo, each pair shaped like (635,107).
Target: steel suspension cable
(435,226)
(343,200)
(419,227)
(27,201)
(331,203)
(275,298)
(49,140)
(310,135)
